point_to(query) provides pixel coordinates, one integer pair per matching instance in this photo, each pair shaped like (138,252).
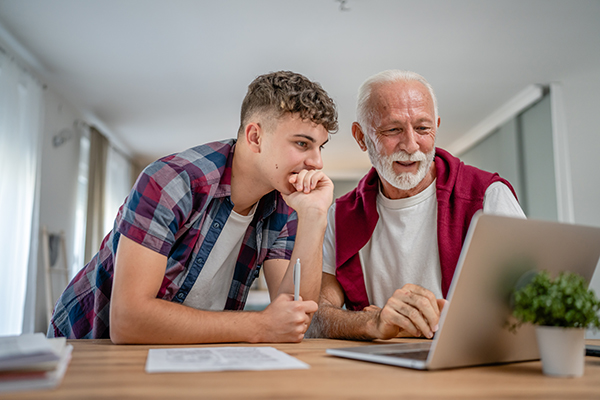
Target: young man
(198,225)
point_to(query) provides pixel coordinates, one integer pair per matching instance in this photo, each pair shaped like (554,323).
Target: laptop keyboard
(413,355)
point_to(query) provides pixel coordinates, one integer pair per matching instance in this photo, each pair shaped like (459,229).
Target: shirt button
(180,296)
(216,225)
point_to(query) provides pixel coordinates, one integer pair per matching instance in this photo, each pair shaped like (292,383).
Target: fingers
(371,308)
(306,180)
(441,304)
(413,309)
(310,307)
(307,306)
(289,319)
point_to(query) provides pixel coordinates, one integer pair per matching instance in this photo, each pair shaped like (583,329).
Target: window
(521,151)
(21,109)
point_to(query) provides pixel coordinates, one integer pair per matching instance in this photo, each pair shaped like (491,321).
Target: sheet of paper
(220,359)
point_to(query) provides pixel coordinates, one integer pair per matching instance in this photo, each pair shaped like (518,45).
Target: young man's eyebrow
(310,138)
(307,137)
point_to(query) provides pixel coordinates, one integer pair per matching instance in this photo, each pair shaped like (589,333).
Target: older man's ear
(359,136)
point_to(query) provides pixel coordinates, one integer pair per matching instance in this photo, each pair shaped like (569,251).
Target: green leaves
(564,301)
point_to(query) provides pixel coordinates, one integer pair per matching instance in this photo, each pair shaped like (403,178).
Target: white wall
(581,97)
(581,94)
(58,190)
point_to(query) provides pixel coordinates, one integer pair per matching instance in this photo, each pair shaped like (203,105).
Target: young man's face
(288,147)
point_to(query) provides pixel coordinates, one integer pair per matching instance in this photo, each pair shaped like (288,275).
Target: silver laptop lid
(497,252)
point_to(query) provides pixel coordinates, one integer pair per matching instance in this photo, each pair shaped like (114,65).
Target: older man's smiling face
(401,136)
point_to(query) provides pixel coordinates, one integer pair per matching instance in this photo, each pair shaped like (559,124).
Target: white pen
(297,280)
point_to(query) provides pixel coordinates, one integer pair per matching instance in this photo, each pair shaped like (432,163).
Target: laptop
(498,254)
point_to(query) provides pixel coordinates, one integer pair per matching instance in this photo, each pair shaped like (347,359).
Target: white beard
(385,166)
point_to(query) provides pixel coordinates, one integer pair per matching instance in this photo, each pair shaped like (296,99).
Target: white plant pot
(562,350)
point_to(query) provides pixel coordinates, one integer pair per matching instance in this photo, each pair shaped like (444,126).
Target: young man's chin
(286,189)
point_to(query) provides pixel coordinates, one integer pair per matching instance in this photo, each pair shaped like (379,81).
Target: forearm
(157,321)
(336,323)
(309,249)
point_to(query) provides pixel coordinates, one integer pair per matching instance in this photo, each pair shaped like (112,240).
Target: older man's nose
(408,141)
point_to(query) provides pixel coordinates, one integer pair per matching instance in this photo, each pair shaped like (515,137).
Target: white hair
(364,111)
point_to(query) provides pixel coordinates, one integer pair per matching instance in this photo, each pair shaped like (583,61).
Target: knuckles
(422,302)
(414,314)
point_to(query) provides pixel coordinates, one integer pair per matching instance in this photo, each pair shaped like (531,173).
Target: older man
(392,243)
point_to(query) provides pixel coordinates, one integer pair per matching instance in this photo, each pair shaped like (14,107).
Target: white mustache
(404,156)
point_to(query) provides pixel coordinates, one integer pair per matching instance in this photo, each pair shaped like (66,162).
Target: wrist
(256,326)
(371,327)
(313,215)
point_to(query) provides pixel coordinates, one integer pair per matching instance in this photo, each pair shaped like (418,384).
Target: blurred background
(92,91)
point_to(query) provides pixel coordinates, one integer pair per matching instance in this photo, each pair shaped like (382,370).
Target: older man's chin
(399,181)
(406,181)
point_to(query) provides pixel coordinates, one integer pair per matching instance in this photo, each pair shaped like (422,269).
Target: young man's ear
(253,136)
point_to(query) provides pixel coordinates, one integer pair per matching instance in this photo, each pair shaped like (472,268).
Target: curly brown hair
(282,92)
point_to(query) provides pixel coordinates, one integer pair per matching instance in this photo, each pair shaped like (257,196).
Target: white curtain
(94,231)
(117,185)
(21,113)
(81,205)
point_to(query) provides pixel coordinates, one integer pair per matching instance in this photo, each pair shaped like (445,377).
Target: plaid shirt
(177,207)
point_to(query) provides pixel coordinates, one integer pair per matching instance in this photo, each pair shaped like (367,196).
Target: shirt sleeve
(282,247)
(499,200)
(329,243)
(157,207)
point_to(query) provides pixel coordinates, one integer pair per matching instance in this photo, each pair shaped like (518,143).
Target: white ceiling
(161,76)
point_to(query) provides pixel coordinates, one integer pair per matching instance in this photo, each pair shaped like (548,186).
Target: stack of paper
(31,361)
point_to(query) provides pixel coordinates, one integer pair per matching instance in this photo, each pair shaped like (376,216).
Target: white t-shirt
(212,285)
(415,258)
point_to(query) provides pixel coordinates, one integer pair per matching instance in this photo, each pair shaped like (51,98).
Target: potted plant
(561,308)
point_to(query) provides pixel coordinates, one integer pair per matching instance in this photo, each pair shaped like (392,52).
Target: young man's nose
(314,160)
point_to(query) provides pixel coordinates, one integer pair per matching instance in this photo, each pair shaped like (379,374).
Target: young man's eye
(302,144)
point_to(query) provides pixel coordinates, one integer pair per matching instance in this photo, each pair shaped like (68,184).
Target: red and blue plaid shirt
(177,207)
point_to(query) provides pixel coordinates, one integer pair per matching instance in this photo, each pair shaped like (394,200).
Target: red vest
(460,190)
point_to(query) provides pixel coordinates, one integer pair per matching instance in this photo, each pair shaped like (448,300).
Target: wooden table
(101,370)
